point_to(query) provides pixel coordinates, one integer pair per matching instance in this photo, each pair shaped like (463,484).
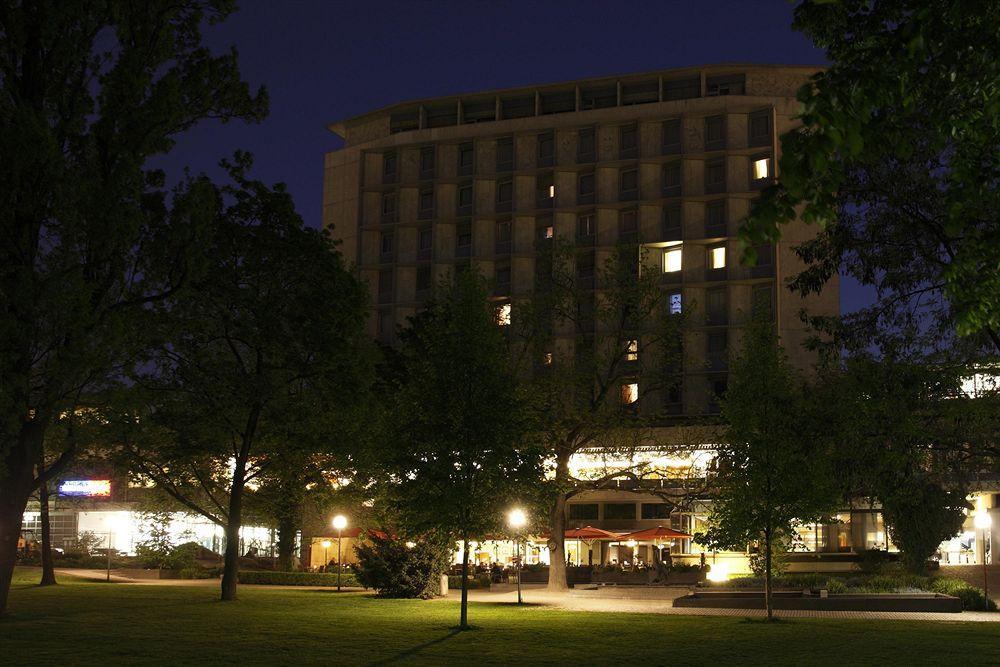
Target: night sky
(326,61)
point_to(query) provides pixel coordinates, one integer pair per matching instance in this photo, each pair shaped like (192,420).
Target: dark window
(672,229)
(423,278)
(715,218)
(628,144)
(585,188)
(628,222)
(466,158)
(463,238)
(585,148)
(715,133)
(560,102)
(583,511)
(389,164)
(717,390)
(404,122)
(517,107)
(385,246)
(759,128)
(425,243)
(682,89)
(479,112)
(729,84)
(586,226)
(389,207)
(505,154)
(427,162)
(598,98)
(672,179)
(715,176)
(764,268)
(655,511)
(546,149)
(619,511)
(425,209)
(442,116)
(545,190)
(717,354)
(671,136)
(503,236)
(465,198)
(716,306)
(385,286)
(585,264)
(763,300)
(628,185)
(503,277)
(641,93)
(505,194)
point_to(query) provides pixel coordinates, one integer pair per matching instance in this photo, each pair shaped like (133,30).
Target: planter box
(647,578)
(798,600)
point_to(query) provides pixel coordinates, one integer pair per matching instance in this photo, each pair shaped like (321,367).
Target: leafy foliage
(397,569)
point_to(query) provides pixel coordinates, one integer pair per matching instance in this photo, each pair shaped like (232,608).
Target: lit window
(548,232)
(503,315)
(761,168)
(630,393)
(552,191)
(672,260)
(547,359)
(675,303)
(717,257)
(632,350)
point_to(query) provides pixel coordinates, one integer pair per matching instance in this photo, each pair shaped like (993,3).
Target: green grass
(91,623)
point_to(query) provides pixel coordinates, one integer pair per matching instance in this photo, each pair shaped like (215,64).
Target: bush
(835,586)
(475,581)
(396,570)
(278,578)
(197,573)
(874,561)
(972,598)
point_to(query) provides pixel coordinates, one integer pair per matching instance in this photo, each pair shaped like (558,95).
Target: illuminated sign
(85,487)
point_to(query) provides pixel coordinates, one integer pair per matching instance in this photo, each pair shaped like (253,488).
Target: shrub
(279,578)
(396,570)
(835,586)
(972,598)
(196,573)
(477,581)
(874,561)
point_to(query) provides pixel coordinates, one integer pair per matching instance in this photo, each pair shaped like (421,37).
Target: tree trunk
(231,559)
(48,568)
(17,481)
(463,623)
(557,530)
(768,604)
(286,542)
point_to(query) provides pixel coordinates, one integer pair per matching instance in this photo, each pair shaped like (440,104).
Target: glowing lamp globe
(517,518)
(326,544)
(982,520)
(339,522)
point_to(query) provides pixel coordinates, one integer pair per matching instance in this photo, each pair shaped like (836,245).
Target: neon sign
(85,487)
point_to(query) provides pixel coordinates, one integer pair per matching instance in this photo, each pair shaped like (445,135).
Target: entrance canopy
(656,534)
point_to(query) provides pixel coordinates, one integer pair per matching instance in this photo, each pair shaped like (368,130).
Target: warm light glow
(339,522)
(548,358)
(718,572)
(503,315)
(982,520)
(718,258)
(548,232)
(630,393)
(762,168)
(632,353)
(516,518)
(410,545)
(552,191)
(326,544)
(631,544)
(672,260)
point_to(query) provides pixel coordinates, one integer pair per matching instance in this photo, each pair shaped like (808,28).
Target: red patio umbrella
(656,534)
(589,534)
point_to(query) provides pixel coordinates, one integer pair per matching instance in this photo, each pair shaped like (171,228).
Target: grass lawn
(88,623)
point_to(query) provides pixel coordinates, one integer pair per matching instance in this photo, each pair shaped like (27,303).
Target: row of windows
(759,132)
(618,511)
(584,98)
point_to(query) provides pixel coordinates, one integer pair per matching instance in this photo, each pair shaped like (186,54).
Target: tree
(91,92)
(773,468)
(896,158)
(399,568)
(588,333)
(266,343)
(459,452)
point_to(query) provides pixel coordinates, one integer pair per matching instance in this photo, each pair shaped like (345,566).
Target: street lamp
(112,522)
(326,555)
(982,521)
(516,519)
(339,524)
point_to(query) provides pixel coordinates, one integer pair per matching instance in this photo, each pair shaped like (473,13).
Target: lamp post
(516,519)
(983,521)
(112,524)
(326,554)
(339,523)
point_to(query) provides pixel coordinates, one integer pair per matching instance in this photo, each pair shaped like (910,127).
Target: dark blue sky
(325,61)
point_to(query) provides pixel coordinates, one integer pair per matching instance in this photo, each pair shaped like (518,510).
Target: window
(517,107)
(632,350)
(760,170)
(628,142)
(585,265)
(585,226)
(544,228)
(465,198)
(619,511)
(672,224)
(547,359)
(763,300)
(442,116)
(545,190)
(717,390)
(583,511)
(505,194)
(655,511)
(717,355)
(671,143)
(423,278)
(388,207)
(427,162)
(715,176)
(759,128)
(404,122)
(503,236)
(644,92)
(585,147)
(546,149)
(630,393)
(715,133)
(672,179)
(628,185)
(503,276)
(505,154)
(674,301)
(426,204)
(716,306)
(503,314)
(672,259)
(385,245)
(389,167)
(463,238)
(715,218)
(598,98)
(682,89)
(425,241)
(628,222)
(717,257)
(385,286)
(479,112)
(559,102)
(466,156)
(728,84)
(585,188)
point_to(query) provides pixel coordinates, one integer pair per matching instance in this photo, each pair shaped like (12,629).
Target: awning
(656,534)
(590,533)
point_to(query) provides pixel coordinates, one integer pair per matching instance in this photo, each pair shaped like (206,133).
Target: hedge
(269,577)
(475,581)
